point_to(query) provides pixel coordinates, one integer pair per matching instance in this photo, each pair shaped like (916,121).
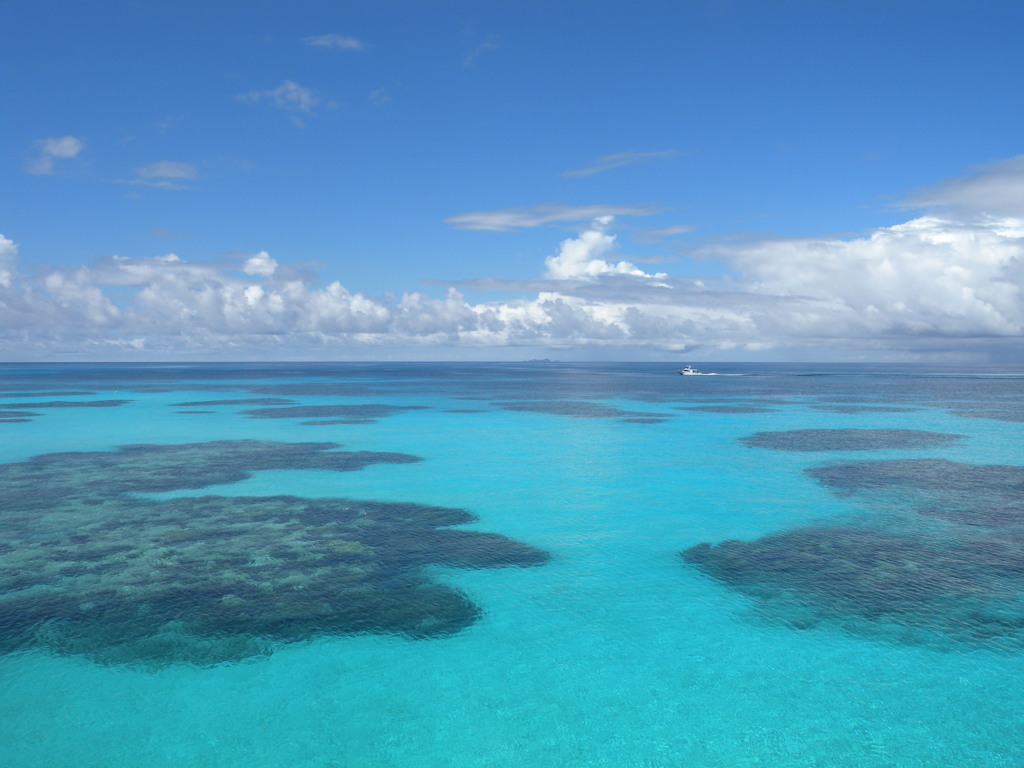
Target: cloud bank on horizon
(926,287)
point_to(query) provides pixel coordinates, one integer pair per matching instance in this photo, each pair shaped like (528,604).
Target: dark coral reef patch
(975,495)
(862,409)
(160,468)
(579,409)
(364,412)
(724,408)
(320,389)
(332,422)
(993,414)
(89,567)
(236,401)
(937,559)
(848,439)
(75,404)
(15,411)
(50,393)
(878,583)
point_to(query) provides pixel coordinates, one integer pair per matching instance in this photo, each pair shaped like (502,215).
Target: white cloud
(929,276)
(8,255)
(928,284)
(260,264)
(934,285)
(539,215)
(607,162)
(583,256)
(51,150)
(910,287)
(338,42)
(79,300)
(57,304)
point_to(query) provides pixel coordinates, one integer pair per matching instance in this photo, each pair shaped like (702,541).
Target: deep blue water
(538,564)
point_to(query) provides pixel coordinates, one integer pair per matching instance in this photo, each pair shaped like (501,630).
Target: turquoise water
(570,630)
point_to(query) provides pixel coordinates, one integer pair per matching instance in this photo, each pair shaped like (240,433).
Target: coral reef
(937,558)
(724,408)
(579,409)
(17,410)
(364,412)
(994,414)
(862,409)
(236,401)
(89,566)
(848,439)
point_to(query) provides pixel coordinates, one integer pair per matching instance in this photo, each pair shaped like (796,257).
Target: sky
(695,180)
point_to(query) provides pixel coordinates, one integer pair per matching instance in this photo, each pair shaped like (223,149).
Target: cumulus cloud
(78,300)
(607,162)
(51,150)
(57,304)
(937,284)
(538,215)
(926,285)
(337,42)
(928,277)
(169,303)
(260,264)
(583,256)
(8,253)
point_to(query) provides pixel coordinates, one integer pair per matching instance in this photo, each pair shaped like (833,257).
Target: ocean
(534,564)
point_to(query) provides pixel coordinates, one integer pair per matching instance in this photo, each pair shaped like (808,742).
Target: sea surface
(537,564)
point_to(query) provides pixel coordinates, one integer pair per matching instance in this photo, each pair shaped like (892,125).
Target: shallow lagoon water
(613,649)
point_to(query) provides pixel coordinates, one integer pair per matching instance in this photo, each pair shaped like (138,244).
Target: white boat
(689,370)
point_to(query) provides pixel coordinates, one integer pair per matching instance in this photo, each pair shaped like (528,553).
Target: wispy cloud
(51,150)
(165,174)
(289,97)
(657,235)
(168,169)
(379,96)
(993,189)
(478,50)
(539,215)
(338,42)
(607,162)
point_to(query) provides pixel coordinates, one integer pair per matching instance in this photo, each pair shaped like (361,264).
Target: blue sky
(712,180)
